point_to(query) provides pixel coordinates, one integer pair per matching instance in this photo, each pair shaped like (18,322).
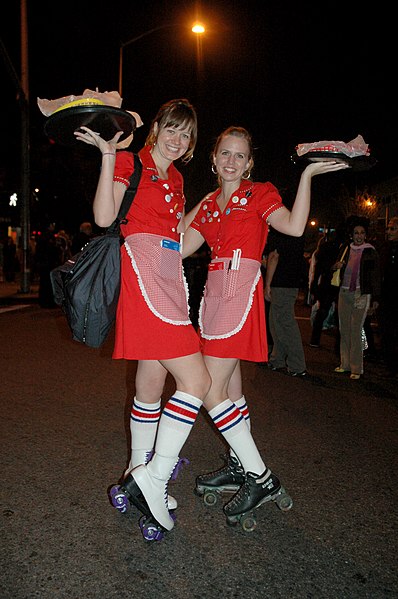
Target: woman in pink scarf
(359,291)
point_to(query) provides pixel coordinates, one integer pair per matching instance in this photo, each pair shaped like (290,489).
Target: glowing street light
(197,28)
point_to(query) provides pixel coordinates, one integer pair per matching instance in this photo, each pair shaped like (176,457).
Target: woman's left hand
(94,139)
(325,166)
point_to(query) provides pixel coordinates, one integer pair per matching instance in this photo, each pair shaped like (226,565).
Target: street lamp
(197,28)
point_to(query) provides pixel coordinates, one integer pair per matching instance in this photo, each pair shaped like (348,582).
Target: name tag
(170,245)
(216,266)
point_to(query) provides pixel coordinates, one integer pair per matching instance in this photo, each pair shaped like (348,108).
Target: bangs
(175,123)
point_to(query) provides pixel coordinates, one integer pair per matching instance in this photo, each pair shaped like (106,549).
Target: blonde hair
(237,132)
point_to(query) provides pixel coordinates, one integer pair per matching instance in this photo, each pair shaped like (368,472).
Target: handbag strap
(128,196)
(344,253)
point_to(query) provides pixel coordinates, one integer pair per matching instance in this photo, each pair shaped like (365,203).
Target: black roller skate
(225,480)
(255,491)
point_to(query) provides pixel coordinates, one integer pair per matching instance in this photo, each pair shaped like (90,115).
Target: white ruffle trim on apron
(228,297)
(160,274)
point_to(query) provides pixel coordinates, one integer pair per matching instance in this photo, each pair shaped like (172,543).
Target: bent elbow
(102,222)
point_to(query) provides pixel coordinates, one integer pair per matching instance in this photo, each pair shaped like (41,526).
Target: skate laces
(178,467)
(230,465)
(241,494)
(149,455)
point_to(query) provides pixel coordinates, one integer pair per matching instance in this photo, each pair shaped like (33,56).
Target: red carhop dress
(232,312)
(152,320)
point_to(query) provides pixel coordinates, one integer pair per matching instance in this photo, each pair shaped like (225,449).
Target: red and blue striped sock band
(244,409)
(145,412)
(183,407)
(226,416)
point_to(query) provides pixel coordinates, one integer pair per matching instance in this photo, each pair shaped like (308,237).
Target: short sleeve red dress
(156,211)
(241,226)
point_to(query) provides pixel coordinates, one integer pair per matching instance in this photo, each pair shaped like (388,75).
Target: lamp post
(197,28)
(22,92)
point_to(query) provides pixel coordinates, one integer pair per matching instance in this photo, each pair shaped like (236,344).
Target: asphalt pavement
(64,442)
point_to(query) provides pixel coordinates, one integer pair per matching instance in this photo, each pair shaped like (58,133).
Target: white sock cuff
(191,399)
(220,408)
(142,404)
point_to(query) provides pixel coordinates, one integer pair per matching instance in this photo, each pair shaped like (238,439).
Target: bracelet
(109,154)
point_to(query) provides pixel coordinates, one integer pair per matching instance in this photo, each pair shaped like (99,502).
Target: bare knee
(197,386)
(150,381)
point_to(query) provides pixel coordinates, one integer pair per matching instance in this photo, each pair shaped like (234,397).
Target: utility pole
(25,151)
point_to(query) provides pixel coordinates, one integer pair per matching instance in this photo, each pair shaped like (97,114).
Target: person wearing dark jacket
(321,288)
(83,237)
(359,291)
(285,274)
(388,310)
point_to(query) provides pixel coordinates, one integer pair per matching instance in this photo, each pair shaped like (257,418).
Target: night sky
(290,74)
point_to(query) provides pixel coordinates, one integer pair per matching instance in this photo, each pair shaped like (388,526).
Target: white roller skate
(118,497)
(149,489)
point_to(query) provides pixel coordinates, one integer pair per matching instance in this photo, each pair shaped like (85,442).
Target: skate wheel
(210,498)
(119,499)
(232,522)
(284,502)
(248,523)
(150,531)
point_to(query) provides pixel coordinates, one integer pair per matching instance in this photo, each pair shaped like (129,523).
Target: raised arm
(293,222)
(109,195)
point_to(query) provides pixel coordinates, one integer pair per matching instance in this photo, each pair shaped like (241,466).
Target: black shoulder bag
(87,286)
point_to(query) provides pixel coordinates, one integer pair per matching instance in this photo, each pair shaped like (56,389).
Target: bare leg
(235,391)
(227,418)
(235,394)
(145,410)
(150,380)
(178,416)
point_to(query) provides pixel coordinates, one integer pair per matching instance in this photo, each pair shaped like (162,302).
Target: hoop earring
(213,169)
(246,175)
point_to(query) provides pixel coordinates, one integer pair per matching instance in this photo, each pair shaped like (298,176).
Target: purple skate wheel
(119,499)
(150,531)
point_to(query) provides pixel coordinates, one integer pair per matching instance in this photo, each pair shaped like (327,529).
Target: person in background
(283,279)
(9,259)
(321,289)
(48,257)
(388,309)
(234,221)
(359,290)
(63,242)
(270,342)
(83,237)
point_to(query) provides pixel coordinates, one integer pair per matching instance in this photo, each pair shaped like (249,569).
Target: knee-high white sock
(244,410)
(144,420)
(176,422)
(231,424)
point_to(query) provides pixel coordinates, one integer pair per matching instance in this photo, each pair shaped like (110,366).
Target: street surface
(64,423)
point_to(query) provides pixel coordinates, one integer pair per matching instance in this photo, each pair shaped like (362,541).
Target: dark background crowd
(310,261)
